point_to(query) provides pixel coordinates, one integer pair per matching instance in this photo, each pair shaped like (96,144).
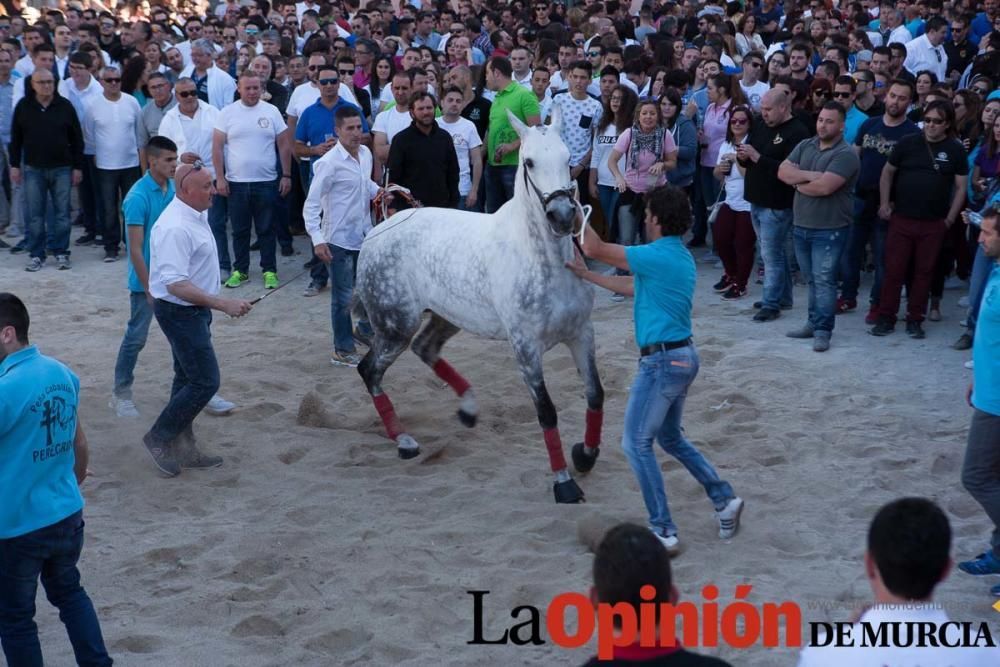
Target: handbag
(713,210)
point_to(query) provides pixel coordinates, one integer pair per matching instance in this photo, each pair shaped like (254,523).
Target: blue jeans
(981,268)
(218,215)
(52,554)
(818,251)
(708,189)
(136,333)
(112,186)
(654,410)
(90,202)
(253,203)
(608,196)
(772,226)
(499,186)
(196,370)
(866,225)
(342,270)
(43,186)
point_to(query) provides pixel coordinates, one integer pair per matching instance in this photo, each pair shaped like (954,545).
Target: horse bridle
(545,198)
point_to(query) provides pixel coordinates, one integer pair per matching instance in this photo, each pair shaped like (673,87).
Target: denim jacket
(686,138)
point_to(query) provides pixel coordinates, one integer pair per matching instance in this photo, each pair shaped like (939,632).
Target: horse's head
(545,171)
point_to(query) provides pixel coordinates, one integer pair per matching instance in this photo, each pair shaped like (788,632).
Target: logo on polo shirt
(263,123)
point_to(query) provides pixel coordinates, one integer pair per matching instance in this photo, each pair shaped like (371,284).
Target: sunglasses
(842,95)
(229,38)
(821,93)
(313,68)
(187,93)
(198,164)
(345,72)
(934,120)
(739,121)
(328,82)
(593,54)
(113,80)
(755,64)
(44,83)
(5,27)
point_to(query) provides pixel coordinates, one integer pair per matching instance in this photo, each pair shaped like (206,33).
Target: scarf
(651,142)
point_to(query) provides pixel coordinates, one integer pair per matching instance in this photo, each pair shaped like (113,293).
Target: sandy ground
(318,546)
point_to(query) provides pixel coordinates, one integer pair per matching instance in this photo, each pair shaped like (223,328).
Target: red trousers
(733,238)
(916,243)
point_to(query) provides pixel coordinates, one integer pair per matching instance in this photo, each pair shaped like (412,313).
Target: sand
(315,545)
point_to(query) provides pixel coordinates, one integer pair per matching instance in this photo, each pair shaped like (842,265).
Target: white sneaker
(963,302)
(350,359)
(968,364)
(219,406)
(669,542)
(729,518)
(617,298)
(123,407)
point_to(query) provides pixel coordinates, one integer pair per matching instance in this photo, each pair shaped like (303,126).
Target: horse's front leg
(582,348)
(529,358)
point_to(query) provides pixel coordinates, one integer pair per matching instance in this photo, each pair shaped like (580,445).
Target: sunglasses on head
(197,166)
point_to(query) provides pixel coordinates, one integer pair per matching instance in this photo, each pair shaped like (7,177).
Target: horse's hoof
(582,461)
(568,492)
(468,420)
(407,447)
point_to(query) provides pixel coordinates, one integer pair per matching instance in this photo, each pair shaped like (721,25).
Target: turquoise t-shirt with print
(39,397)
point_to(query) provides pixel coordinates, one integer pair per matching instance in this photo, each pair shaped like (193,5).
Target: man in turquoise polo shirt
(981,469)
(43,460)
(662,281)
(141,207)
(502,142)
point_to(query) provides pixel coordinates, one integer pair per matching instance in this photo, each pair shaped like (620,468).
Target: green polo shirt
(522,103)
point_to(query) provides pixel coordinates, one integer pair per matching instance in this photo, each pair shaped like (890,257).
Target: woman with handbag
(733,231)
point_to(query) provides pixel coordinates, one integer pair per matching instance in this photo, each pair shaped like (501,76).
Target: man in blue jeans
(184,279)
(767,146)
(823,171)
(663,281)
(337,215)
(43,460)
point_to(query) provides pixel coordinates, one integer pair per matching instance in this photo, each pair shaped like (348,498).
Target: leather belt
(663,347)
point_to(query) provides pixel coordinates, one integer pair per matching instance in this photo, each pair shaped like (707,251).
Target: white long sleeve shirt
(192,135)
(341,190)
(921,55)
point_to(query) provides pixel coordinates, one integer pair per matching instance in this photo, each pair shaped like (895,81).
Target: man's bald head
(774,107)
(194,186)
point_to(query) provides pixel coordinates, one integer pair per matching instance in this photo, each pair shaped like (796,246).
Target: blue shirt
(317,121)
(855,119)
(38,402)
(142,206)
(6,110)
(664,290)
(986,361)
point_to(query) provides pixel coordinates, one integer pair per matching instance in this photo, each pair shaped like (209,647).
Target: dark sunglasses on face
(593,54)
(187,93)
(313,68)
(821,93)
(113,80)
(842,95)
(229,38)
(755,64)
(934,120)
(738,121)
(345,72)
(328,82)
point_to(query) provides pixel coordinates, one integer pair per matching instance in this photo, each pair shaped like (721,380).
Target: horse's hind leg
(529,358)
(383,352)
(427,345)
(585,453)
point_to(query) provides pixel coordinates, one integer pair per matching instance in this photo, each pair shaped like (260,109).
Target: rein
(571,191)
(386,195)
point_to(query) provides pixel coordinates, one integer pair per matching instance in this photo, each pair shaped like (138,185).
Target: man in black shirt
(476,107)
(920,170)
(959,49)
(46,155)
(767,147)
(628,558)
(422,157)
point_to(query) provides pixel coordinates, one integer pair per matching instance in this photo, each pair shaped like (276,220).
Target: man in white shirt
(191,125)
(753,88)
(927,51)
(112,124)
(81,89)
(891,22)
(30,38)
(342,190)
(520,61)
(580,113)
(214,86)
(43,57)
(468,147)
(909,541)
(247,133)
(184,281)
(63,42)
(393,120)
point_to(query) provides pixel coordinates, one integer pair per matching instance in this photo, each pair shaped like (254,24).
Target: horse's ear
(555,127)
(519,127)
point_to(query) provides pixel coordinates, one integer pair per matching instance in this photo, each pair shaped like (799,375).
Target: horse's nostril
(551,216)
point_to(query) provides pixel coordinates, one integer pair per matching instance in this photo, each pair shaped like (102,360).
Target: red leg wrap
(592,436)
(388,414)
(444,371)
(553,443)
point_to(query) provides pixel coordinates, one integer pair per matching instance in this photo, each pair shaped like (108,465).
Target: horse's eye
(528,163)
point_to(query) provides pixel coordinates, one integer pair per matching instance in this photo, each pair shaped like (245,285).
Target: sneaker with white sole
(34,265)
(669,542)
(123,407)
(617,298)
(63,263)
(729,517)
(351,359)
(968,364)
(219,406)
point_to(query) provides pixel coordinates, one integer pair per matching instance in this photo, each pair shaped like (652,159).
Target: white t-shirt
(754,93)
(391,122)
(306,95)
(463,133)
(251,133)
(113,129)
(579,120)
(734,182)
(604,143)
